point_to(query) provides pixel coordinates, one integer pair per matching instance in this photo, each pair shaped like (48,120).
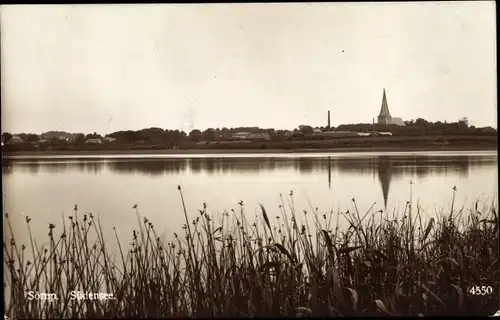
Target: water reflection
(384,167)
(384,176)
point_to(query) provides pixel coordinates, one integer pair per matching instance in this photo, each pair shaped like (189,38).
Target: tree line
(171,138)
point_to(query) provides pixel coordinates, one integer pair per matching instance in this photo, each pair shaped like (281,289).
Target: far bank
(180,152)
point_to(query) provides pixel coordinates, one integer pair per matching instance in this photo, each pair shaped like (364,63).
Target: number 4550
(481,290)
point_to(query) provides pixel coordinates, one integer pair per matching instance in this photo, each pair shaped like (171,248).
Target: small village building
(240,136)
(93,141)
(384,133)
(43,141)
(16,140)
(398,121)
(261,136)
(364,134)
(338,134)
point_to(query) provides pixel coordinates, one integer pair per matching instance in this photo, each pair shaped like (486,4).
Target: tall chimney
(328,119)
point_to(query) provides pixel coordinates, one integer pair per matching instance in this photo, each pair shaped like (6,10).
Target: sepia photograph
(249,160)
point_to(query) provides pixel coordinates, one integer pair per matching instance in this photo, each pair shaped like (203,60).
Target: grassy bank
(356,144)
(273,266)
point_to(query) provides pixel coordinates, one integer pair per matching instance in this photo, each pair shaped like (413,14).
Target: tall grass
(273,266)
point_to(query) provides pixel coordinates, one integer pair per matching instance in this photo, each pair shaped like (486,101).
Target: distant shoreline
(99,153)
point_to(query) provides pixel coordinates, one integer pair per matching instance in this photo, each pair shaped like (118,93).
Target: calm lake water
(45,188)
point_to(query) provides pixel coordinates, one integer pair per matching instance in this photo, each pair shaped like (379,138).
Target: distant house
(338,134)
(384,133)
(317,131)
(364,134)
(288,133)
(43,141)
(398,121)
(61,135)
(240,136)
(93,141)
(262,136)
(109,139)
(16,140)
(53,136)
(296,134)
(224,135)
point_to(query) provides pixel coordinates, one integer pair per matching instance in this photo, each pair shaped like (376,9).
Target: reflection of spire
(384,175)
(329,172)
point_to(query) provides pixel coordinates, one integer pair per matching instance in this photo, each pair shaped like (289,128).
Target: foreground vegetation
(276,266)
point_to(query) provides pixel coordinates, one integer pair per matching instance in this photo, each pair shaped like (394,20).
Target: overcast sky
(103,68)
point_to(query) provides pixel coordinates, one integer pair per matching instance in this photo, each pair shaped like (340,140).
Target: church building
(385,116)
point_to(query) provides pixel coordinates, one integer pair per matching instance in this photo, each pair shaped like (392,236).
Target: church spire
(384,117)
(384,110)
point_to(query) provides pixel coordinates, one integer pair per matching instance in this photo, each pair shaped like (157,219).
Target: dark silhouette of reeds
(229,266)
